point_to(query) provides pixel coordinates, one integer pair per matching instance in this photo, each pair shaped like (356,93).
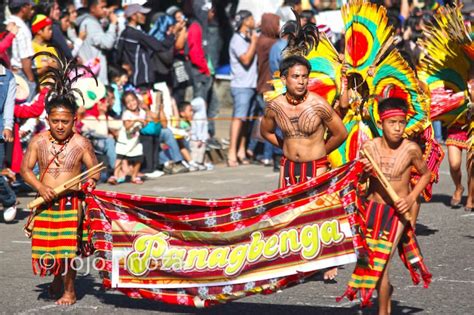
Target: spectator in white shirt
(22,49)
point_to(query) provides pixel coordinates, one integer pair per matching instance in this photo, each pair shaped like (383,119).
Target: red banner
(201,252)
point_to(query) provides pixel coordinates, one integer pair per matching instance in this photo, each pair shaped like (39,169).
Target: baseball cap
(19,3)
(135,8)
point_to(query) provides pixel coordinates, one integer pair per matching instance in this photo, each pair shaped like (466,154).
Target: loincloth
(381,225)
(57,234)
(292,173)
(458,138)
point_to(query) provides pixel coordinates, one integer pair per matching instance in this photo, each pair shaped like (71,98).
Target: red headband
(392,113)
(39,25)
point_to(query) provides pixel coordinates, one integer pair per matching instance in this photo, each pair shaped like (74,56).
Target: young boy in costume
(60,154)
(384,222)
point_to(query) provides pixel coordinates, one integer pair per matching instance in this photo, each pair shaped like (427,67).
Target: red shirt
(197,56)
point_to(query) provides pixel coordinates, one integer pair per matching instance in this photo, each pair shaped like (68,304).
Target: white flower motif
(249,286)
(211,221)
(285,200)
(273,281)
(235,216)
(227,289)
(203,292)
(260,209)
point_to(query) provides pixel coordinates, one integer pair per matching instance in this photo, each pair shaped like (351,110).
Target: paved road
(446,237)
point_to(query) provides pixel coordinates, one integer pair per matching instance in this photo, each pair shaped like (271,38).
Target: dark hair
(16,9)
(128,93)
(307,14)
(45,7)
(64,101)
(182,106)
(115,72)
(292,61)
(109,88)
(393,103)
(91,3)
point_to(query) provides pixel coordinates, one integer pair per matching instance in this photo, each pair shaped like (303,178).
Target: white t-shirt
(241,76)
(128,142)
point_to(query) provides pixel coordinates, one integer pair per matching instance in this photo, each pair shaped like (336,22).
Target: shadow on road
(445,199)
(87,285)
(423,230)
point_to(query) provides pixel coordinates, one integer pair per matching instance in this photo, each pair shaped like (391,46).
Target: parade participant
(396,156)
(303,118)
(60,154)
(457,142)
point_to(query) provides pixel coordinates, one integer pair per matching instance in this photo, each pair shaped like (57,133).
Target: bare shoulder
(411,147)
(372,145)
(318,100)
(39,138)
(273,106)
(82,141)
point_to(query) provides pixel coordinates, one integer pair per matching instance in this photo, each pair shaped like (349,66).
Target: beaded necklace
(294,101)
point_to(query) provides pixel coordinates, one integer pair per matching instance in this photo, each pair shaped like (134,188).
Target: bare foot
(55,288)
(330,274)
(457,196)
(67,299)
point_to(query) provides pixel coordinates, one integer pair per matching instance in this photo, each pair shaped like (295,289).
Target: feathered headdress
(303,40)
(60,79)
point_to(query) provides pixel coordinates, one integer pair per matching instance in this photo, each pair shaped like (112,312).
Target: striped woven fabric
(381,225)
(201,252)
(433,154)
(457,137)
(54,236)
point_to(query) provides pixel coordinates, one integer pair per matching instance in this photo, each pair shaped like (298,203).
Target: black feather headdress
(60,80)
(301,40)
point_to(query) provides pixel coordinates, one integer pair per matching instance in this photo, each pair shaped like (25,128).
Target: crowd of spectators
(154,109)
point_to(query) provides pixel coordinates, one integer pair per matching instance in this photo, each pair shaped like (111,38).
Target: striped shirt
(21,47)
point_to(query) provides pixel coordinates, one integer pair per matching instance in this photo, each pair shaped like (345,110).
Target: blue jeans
(7,195)
(267,146)
(173,153)
(438,130)
(243,102)
(110,152)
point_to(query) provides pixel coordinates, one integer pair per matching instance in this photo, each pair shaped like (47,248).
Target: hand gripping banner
(201,252)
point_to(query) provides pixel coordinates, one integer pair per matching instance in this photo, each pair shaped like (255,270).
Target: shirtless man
(395,157)
(60,154)
(303,118)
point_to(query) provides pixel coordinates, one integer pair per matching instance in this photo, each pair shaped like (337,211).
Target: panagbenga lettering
(150,251)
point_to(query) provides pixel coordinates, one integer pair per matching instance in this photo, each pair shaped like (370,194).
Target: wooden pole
(59,190)
(385,183)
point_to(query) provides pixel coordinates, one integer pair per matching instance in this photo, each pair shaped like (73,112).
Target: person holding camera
(243,64)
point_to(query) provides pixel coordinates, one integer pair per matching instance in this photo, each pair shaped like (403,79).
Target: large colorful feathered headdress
(444,66)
